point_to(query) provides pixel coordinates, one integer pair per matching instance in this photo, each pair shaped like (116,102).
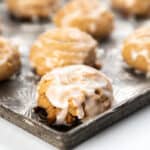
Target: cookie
(30,9)
(136,49)
(9,59)
(74,92)
(87,16)
(60,47)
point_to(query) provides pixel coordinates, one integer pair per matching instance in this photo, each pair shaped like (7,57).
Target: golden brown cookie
(60,47)
(75,91)
(9,59)
(32,8)
(136,49)
(88,16)
(133,7)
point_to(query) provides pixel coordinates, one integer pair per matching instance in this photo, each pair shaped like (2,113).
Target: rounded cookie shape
(74,92)
(60,47)
(9,59)
(32,8)
(88,16)
(136,49)
(133,7)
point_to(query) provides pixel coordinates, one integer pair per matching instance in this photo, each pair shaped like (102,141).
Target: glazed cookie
(60,47)
(74,92)
(88,16)
(136,49)
(133,7)
(29,9)
(9,59)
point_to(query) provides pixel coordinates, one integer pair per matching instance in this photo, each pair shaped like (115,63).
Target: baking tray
(17,96)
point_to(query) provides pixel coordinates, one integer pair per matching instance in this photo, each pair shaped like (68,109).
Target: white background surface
(133,133)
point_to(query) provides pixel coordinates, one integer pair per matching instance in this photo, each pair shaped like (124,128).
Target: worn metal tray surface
(17,96)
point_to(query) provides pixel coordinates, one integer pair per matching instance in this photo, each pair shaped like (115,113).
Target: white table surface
(133,133)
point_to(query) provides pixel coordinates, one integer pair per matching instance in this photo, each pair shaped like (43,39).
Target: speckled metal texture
(17,96)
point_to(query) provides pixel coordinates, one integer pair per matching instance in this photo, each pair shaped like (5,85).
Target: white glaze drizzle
(130,3)
(144,53)
(3,60)
(77,48)
(73,83)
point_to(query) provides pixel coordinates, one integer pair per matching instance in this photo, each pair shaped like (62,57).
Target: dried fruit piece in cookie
(89,16)
(9,59)
(74,92)
(136,49)
(60,47)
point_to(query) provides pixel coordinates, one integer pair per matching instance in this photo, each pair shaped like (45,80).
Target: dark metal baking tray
(17,96)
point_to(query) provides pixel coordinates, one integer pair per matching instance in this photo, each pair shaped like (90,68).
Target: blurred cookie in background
(132,7)
(9,59)
(72,93)
(60,47)
(32,9)
(136,49)
(86,15)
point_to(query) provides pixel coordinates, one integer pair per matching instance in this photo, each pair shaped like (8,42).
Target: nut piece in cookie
(136,49)
(89,16)
(60,47)
(74,92)
(9,59)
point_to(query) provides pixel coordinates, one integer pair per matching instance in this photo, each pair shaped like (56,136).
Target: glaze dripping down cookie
(74,92)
